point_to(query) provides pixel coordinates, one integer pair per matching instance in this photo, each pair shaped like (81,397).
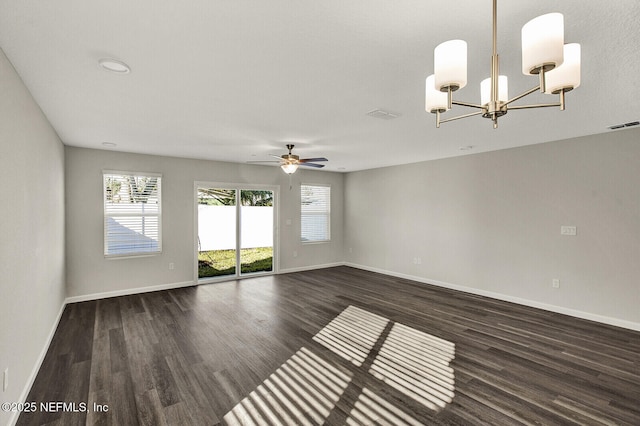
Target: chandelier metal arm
(522,95)
(438,121)
(466,104)
(557,104)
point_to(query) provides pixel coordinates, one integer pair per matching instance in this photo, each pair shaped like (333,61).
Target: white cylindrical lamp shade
(450,65)
(542,43)
(503,90)
(435,100)
(566,76)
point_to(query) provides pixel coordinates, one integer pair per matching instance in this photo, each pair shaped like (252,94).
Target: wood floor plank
(243,352)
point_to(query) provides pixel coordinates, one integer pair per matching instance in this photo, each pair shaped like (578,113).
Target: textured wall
(491,223)
(32,266)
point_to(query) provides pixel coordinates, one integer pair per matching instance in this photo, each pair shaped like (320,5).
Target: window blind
(132,214)
(315,208)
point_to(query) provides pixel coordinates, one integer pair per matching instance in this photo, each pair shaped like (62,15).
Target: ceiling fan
(290,162)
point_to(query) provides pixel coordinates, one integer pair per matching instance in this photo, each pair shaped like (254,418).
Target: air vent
(383,115)
(622,126)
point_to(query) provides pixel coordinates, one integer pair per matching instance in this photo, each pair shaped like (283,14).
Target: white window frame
(326,213)
(106,214)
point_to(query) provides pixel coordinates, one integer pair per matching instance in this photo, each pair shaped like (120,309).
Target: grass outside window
(216,263)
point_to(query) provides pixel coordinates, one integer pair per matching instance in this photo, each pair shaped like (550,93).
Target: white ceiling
(237,80)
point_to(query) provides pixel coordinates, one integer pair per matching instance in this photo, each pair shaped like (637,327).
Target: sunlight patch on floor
(417,364)
(370,409)
(306,388)
(303,391)
(352,334)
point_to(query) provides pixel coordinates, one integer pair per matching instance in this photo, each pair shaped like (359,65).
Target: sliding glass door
(235,231)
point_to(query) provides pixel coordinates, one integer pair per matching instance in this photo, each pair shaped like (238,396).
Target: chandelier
(543,53)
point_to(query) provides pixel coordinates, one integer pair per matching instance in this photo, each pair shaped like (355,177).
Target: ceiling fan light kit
(289,168)
(543,53)
(289,163)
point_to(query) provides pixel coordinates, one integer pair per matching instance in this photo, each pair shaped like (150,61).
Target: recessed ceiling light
(466,148)
(109,144)
(114,66)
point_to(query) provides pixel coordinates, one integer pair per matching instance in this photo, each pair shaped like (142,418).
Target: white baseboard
(499,296)
(310,268)
(36,367)
(127,292)
(138,290)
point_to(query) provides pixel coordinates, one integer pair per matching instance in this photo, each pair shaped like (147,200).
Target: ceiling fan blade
(269,161)
(306,160)
(275,156)
(317,166)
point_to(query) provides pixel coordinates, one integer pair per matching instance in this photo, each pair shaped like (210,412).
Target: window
(132,213)
(315,209)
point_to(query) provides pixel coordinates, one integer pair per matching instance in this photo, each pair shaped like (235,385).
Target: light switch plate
(568,230)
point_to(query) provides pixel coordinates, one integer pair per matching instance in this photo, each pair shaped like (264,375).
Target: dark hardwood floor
(334,346)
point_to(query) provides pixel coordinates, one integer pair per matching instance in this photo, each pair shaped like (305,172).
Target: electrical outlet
(295,253)
(5,379)
(555,283)
(172,266)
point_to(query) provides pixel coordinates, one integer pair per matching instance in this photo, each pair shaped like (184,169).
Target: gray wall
(32,287)
(490,223)
(88,272)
